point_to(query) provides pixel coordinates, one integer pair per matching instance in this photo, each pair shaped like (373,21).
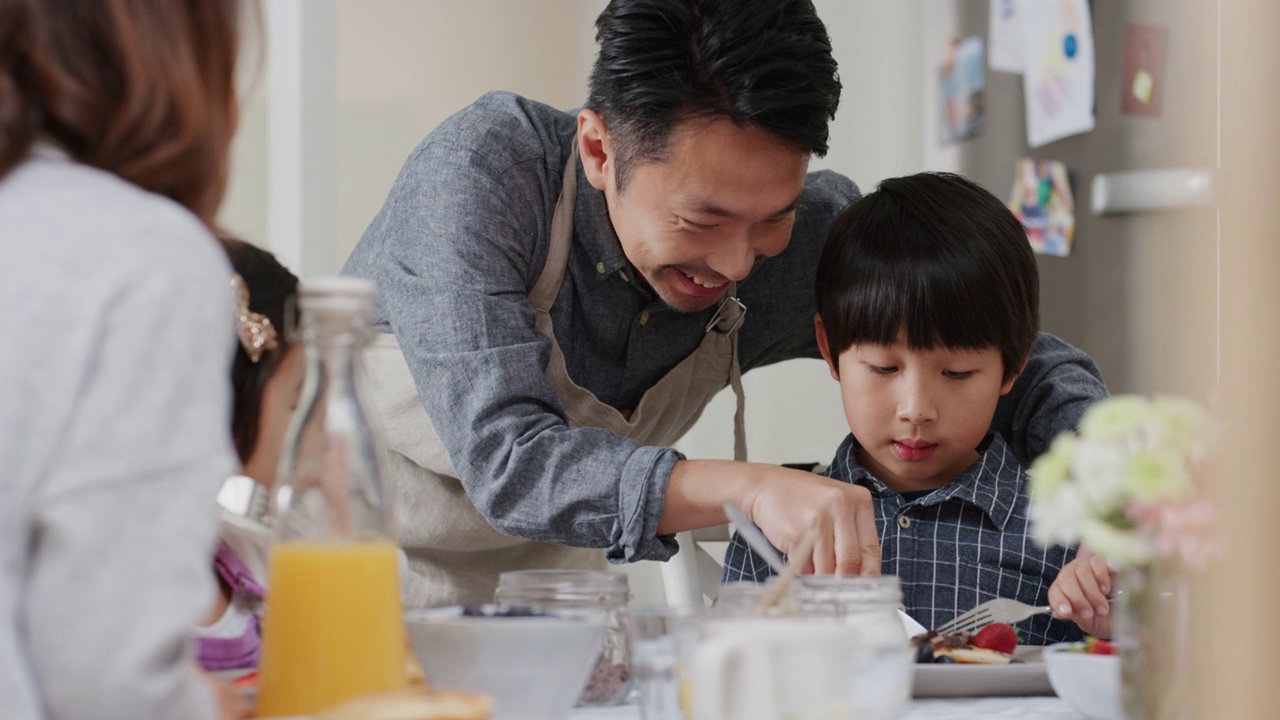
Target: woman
(115,120)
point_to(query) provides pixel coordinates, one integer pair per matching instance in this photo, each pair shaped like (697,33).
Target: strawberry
(1097,646)
(996,636)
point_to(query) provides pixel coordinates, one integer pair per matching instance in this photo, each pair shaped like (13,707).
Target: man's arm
(454,252)
(1057,386)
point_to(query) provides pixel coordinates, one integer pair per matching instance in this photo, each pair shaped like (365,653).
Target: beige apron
(455,555)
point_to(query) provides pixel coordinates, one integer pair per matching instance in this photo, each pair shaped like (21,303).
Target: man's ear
(595,148)
(1008,384)
(823,347)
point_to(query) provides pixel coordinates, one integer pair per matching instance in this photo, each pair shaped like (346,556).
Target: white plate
(956,680)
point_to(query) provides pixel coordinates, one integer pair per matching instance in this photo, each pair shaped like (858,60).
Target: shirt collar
(595,232)
(993,484)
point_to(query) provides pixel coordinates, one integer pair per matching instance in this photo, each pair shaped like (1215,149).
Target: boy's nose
(917,408)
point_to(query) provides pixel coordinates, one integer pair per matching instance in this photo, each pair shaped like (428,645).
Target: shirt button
(644,318)
(904,522)
(600,268)
(623,275)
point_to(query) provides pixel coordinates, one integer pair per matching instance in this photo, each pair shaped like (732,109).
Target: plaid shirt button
(904,522)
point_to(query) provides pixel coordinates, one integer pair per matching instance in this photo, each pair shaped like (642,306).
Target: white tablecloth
(1037,708)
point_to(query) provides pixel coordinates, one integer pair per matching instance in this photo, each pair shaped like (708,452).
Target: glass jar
(870,605)
(333,554)
(582,590)
(746,599)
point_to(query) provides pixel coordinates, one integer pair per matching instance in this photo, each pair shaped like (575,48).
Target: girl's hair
(270,287)
(935,256)
(143,89)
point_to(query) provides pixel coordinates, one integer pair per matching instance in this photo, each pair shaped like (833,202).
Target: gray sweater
(115,337)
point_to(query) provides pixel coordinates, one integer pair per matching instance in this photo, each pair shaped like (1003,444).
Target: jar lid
(563,585)
(336,293)
(852,592)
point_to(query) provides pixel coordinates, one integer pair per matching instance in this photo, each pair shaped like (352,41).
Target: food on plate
(1094,646)
(992,645)
(412,703)
(996,636)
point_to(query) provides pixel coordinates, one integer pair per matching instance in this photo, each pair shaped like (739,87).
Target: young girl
(115,121)
(266,378)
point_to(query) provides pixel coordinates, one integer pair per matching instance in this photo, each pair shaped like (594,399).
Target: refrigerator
(1134,282)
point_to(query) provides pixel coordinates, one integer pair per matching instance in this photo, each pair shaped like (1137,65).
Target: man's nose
(734,257)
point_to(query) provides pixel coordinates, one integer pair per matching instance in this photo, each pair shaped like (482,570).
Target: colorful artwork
(1004,37)
(1042,200)
(1142,86)
(1058,81)
(961,81)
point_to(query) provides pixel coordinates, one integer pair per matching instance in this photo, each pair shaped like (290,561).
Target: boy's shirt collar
(993,483)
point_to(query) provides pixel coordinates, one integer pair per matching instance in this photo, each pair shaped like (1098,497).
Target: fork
(1000,610)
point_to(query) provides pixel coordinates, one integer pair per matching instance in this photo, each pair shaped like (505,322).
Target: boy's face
(724,198)
(918,414)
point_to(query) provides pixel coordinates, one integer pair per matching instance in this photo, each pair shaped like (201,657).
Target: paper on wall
(1059,69)
(1004,37)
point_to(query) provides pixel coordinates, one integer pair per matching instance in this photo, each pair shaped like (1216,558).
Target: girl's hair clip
(257,334)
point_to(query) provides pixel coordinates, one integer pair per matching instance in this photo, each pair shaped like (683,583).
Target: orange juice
(333,627)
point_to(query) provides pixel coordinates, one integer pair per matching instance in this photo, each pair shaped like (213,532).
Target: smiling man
(563,293)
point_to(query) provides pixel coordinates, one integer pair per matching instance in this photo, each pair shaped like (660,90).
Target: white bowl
(1089,683)
(534,667)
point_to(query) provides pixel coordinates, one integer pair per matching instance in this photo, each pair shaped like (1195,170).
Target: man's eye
(698,226)
(957,374)
(882,369)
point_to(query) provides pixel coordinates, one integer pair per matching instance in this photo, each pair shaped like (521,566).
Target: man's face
(724,199)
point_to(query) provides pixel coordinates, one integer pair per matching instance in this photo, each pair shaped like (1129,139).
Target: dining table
(968,708)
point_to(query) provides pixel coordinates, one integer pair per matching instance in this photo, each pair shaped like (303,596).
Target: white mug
(770,668)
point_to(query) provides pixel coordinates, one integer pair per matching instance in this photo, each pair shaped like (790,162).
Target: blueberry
(944,660)
(924,653)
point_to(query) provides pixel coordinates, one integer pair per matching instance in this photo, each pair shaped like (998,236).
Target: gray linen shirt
(455,250)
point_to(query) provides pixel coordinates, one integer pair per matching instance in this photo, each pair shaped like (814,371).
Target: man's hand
(784,503)
(1080,594)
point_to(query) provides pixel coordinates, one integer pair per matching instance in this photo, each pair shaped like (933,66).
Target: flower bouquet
(1125,486)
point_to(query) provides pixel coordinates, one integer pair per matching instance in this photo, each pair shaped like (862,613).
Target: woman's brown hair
(144,89)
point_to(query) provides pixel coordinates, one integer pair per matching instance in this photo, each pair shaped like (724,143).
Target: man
(562,295)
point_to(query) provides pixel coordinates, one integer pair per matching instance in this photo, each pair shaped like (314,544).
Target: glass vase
(1151,630)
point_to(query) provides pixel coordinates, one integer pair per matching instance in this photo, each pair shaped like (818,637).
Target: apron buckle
(735,313)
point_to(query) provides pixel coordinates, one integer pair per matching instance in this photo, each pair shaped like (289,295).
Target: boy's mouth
(913,450)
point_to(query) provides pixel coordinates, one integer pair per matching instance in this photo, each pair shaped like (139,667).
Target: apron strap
(728,319)
(545,290)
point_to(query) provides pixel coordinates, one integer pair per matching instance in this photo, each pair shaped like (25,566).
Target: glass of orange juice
(333,627)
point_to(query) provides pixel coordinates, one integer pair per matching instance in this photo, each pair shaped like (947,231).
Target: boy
(928,307)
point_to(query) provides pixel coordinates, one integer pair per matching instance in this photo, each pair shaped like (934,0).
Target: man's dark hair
(766,64)
(934,255)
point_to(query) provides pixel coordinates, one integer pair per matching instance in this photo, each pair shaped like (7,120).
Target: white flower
(1151,476)
(1117,484)
(1114,418)
(1120,546)
(1058,520)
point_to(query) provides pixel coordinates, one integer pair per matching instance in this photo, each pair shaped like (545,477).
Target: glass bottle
(574,590)
(333,627)
(882,681)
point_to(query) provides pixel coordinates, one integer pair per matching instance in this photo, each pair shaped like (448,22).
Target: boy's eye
(957,374)
(882,369)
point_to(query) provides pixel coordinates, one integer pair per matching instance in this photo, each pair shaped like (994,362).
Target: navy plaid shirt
(955,547)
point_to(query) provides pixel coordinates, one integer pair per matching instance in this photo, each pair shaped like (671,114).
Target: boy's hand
(1080,594)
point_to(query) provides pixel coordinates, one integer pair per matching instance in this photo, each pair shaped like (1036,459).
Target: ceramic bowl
(1088,683)
(534,666)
